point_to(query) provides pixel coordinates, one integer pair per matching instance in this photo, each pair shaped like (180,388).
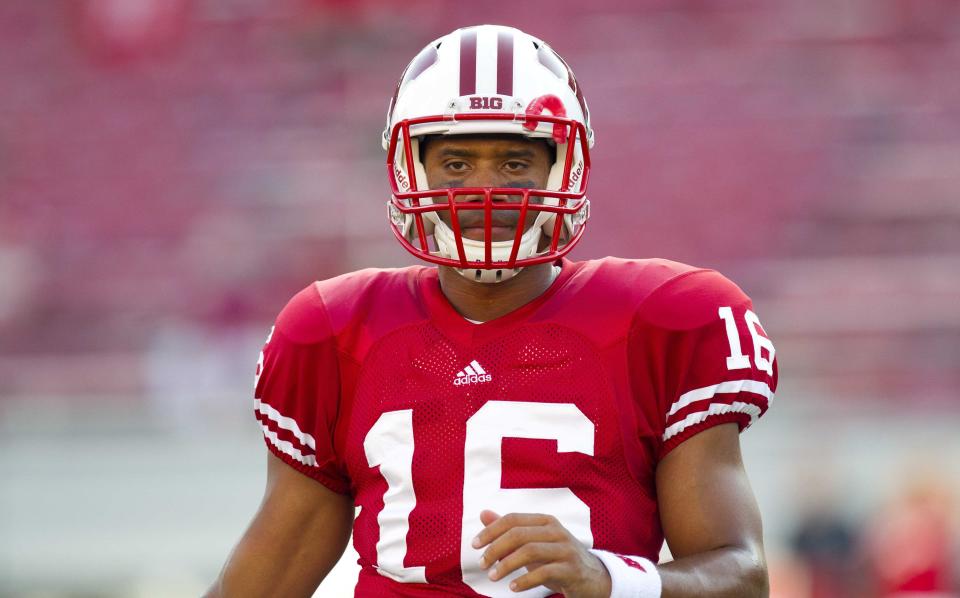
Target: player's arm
(721,379)
(304,520)
(297,536)
(710,520)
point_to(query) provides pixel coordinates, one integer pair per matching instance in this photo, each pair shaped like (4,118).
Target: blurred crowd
(171,171)
(905,548)
(195,162)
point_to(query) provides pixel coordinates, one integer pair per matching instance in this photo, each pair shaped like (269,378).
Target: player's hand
(552,556)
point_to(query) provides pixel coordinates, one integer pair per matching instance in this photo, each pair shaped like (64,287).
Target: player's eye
(456,166)
(514,166)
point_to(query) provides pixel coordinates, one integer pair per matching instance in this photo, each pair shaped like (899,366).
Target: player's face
(488,161)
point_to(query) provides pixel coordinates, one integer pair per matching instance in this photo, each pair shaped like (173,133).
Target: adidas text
(464,380)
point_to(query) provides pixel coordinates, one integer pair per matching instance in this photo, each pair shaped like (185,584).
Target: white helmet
(488,79)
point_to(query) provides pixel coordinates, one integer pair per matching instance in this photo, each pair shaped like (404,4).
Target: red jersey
(374,386)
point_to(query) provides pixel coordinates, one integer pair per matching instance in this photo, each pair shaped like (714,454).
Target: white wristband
(630,576)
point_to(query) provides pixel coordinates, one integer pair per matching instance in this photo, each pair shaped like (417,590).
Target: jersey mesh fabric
(627,342)
(414,368)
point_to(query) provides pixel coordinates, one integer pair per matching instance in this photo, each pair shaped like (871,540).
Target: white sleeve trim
(732,386)
(285,423)
(287,448)
(714,409)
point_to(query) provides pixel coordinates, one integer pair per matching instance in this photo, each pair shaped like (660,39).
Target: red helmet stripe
(505,63)
(468,62)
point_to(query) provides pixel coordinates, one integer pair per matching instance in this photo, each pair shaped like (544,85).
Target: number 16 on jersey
(390,442)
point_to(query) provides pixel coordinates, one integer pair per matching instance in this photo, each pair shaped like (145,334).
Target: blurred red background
(172,171)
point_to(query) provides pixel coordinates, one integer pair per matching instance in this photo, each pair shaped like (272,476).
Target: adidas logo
(472,374)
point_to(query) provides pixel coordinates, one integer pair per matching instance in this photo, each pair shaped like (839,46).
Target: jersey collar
(451,323)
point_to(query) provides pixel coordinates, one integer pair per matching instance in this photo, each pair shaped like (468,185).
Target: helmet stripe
(505,63)
(468,62)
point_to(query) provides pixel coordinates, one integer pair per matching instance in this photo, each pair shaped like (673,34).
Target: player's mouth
(503,227)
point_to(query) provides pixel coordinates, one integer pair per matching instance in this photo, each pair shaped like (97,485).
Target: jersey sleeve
(297,391)
(712,361)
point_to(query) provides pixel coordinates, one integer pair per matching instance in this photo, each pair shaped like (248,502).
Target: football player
(510,423)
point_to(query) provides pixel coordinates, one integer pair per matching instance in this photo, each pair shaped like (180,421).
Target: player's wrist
(630,576)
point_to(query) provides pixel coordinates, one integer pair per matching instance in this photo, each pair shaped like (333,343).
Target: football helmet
(488,79)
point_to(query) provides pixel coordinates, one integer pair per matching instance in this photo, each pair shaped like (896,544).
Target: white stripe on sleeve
(715,409)
(732,386)
(285,423)
(287,448)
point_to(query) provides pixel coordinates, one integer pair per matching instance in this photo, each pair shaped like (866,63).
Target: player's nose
(485,176)
(489,177)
